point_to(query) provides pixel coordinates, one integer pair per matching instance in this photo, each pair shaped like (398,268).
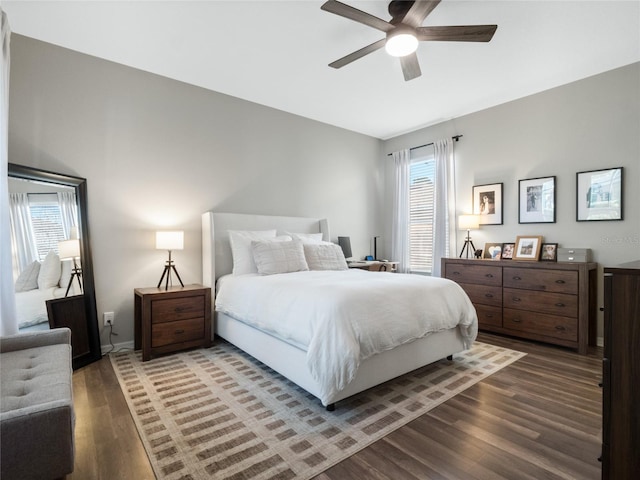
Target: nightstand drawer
(558,281)
(482,274)
(177,332)
(553,326)
(483,294)
(172,309)
(544,302)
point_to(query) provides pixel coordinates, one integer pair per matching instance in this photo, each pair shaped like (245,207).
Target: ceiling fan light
(401,44)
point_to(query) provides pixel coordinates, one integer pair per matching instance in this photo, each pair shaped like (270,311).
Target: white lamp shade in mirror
(170,240)
(468,222)
(69,249)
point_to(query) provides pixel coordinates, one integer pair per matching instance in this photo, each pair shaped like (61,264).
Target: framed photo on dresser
(528,248)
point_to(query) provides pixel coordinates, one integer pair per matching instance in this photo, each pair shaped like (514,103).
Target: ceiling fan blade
(410,66)
(462,33)
(419,11)
(358,54)
(346,11)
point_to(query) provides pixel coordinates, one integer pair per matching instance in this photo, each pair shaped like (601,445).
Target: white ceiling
(275,53)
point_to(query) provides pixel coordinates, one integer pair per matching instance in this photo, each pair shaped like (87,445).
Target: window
(46,219)
(421,213)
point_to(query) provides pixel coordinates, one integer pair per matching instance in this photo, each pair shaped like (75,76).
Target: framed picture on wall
(528,248)
(537,200)
(487,203)
(599,195)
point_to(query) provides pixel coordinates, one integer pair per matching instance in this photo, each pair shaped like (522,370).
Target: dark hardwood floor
(539,418)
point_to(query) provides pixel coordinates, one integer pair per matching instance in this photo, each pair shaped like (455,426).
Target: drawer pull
(489,315)
(488,295)
(517,320)
(561,282)
(560,304)
(179,309)
(516,299)
(456,272)
(489,275)
(517,278)
(179,332)
(560,328)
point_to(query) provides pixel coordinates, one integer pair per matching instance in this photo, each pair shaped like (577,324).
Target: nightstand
(171,320)
(375,266)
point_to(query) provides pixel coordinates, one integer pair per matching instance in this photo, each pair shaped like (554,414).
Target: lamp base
(76,272)
(468,244)
(167,273)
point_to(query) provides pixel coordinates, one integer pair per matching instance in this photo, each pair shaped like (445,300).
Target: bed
(289,357)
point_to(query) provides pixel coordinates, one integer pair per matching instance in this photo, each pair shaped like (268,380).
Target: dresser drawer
(482,274)
(553,326)
(544,302)
(559,281)
(177,332)
(483,294)
(172,309)
(489,316)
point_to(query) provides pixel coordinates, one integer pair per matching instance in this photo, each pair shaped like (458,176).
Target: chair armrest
(42,338)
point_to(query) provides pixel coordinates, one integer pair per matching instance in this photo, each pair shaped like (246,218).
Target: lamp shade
(345,244)
(468,222)
(69,249)
(170,240)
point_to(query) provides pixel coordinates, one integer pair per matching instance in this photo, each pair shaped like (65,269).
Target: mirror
(70,299)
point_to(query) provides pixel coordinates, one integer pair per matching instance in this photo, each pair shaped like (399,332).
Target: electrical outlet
(108,318)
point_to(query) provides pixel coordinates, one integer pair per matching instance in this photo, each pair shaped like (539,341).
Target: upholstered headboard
(216,250)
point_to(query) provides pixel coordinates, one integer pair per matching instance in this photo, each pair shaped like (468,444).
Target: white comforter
(343,317)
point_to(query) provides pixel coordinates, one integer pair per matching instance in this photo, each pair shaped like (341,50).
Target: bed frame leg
(450,357)
(331,407)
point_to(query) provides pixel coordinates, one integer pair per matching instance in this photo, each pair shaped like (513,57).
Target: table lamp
(169,241)
(70,249)
(468,223)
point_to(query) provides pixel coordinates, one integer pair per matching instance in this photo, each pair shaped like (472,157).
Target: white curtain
(8,318)
(400,227)
(444,240)
(68,211)
(23,243)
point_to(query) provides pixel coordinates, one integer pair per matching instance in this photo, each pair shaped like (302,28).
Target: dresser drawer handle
(180,309)
(560,304)
(517,278)
(456,272)
(560,328)
(516,320)
(516,299)
(179,332)
(489,275)
(489,315)
(488,295)
(560,282)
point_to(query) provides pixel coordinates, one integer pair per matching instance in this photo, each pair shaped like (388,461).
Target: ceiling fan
(404,32)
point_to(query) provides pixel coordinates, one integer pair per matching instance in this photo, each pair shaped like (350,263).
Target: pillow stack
(267,254)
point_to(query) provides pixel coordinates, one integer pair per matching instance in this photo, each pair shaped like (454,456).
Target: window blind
(421,212)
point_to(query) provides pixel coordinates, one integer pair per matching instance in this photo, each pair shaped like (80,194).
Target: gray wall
(157,153)
(586,125)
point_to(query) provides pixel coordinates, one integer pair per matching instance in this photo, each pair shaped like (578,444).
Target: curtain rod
(455,137)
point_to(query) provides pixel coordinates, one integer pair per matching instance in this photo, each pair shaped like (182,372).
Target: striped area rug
(219,414)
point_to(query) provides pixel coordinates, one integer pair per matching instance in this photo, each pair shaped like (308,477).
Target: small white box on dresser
(574,254)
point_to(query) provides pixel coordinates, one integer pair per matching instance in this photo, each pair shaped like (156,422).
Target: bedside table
(171,320)
(375,266)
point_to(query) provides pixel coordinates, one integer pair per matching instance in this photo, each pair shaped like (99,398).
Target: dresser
(544,301)
(171,320)
(621,373)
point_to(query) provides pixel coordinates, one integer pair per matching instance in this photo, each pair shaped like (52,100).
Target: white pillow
(306,237)
(28,278)
(49,275)
(278,257)
(324,256)
(65,272)
(240,241)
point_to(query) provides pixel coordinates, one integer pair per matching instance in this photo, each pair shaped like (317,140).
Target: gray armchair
(36,405)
